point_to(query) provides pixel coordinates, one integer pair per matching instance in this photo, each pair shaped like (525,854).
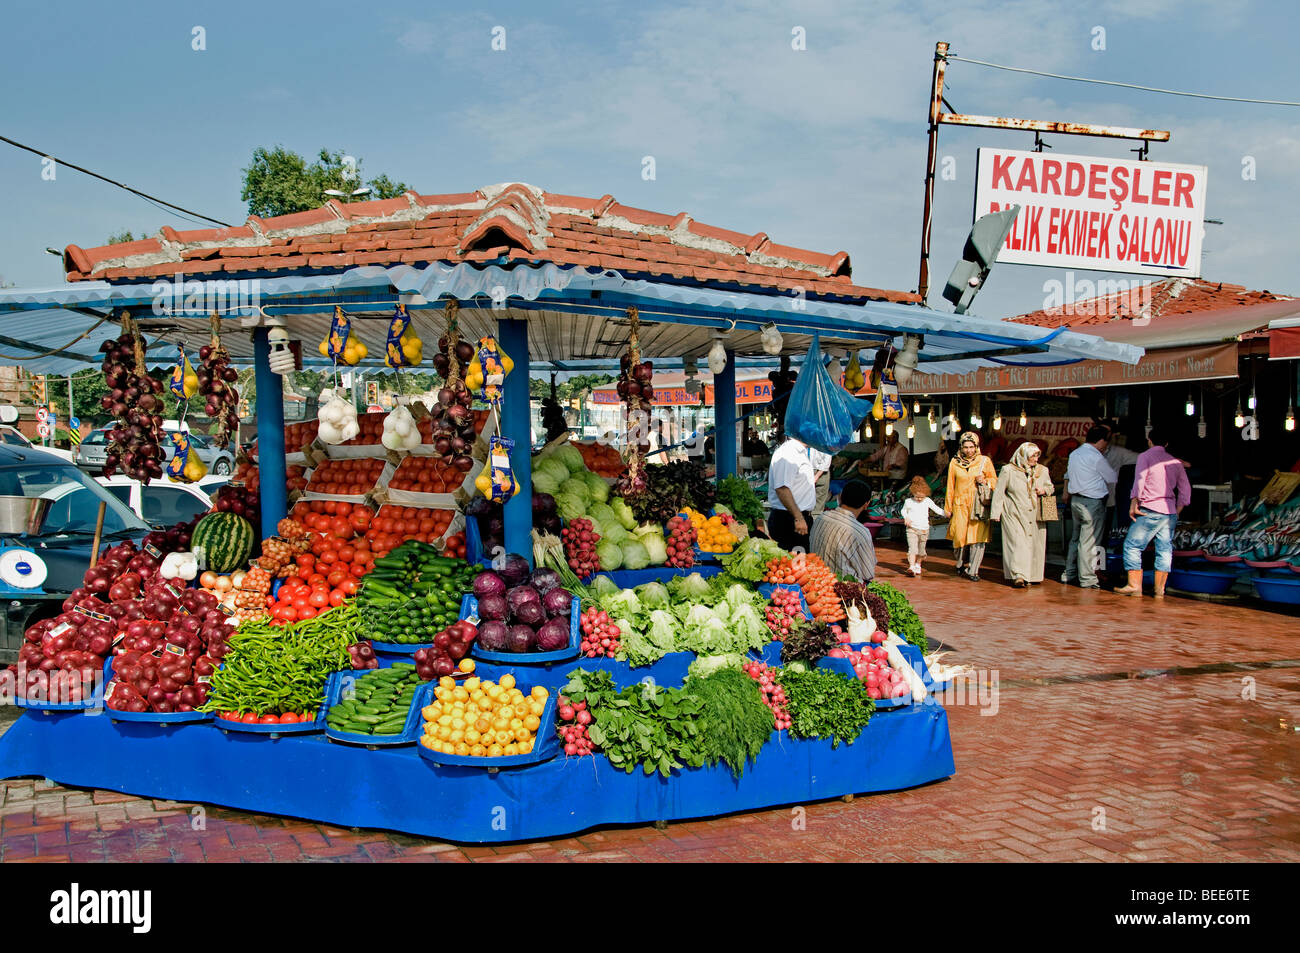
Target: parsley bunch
(825,704)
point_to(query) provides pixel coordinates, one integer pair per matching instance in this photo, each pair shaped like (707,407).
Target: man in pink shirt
(1160,491)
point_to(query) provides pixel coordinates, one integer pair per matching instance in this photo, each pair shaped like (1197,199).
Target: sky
(821,148)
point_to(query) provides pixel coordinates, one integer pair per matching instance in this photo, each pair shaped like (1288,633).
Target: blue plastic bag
(821,413)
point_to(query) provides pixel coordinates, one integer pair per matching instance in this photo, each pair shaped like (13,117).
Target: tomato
(307,612)
(342,528)
(316,579)
(285,613)
(305,560)
(331,507)
(320,598)
(349,587)
(335,577)
(248,718)
(359,570)
(336,597)
(289,718)
(269,720)
(346,554)
(360,518)
(329,557)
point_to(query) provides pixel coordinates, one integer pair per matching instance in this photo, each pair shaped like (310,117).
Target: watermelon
(222,541)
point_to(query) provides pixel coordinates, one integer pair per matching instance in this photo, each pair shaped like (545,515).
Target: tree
(120,237)
(280,182)
(87,388)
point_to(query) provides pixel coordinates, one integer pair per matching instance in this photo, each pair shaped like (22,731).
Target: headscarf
(1020,459)
(961,459)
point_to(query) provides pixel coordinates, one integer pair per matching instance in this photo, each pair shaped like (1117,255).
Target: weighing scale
(22,571)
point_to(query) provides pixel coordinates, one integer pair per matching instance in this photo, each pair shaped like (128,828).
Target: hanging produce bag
(185,465)
(497,481)
(487,371)
(821,413)
(887,405)
(404,348)
(184,382)
(341,345)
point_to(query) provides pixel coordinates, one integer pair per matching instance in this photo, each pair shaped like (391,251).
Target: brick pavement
(1133,765)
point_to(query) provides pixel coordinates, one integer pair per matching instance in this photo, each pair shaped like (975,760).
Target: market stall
(416,625)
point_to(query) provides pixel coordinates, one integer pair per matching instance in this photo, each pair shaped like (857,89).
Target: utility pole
(937,117)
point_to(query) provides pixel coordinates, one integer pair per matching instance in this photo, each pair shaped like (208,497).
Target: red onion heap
(453,421)
(636,388)
(217,385)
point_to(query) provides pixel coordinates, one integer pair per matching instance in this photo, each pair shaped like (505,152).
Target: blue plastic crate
(150,717)
(845,668)
(410,733)
(474,543)
(545,746)
(631,578)
(399,648)
(469,610)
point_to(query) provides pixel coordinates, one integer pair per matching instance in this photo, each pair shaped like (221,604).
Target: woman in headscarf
(1015,503)
(968,471)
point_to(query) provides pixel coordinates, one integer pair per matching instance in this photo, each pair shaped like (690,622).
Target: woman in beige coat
(1015,503)
(969,470)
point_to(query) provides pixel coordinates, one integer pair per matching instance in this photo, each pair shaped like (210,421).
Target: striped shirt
(844,545)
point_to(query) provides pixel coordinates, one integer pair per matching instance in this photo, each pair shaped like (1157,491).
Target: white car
(164,502)
(13,437)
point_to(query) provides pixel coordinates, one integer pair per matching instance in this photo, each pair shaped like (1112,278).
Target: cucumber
(367,719)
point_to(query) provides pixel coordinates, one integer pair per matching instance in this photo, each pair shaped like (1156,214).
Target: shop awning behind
(1284,339)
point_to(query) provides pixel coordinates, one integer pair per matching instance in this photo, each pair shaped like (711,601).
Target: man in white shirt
(1088,481)
(791,494)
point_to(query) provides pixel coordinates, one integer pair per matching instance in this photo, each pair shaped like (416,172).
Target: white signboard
(1145,218)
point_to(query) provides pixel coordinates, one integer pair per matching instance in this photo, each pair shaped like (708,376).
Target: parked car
(63,537)
(90,454)
(164,502)
(13,437)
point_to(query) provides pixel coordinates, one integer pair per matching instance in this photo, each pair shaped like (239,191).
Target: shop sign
(758,391)
(1157,366)
(1123,215)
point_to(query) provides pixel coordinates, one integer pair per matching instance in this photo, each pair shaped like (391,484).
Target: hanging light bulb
(1201,429)
(717,355)
(916,405)
(911,431)
(1239,420)
(1190,406)
(1250,401)
(868,430)
(1289,422)
(889,428)
(997,419)
(952,419)
(934,424)
(974,418)
(1024,418)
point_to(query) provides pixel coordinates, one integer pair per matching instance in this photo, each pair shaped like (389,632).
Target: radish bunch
(872,667)
(600,634)
(574,719)
(773,693)
(681,543)
(580,539)
(785,607)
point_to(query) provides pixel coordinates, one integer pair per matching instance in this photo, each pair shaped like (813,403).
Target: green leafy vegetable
(807,641)
(825,704)
(737,495)
(733,723)
(749,560)
(902,617)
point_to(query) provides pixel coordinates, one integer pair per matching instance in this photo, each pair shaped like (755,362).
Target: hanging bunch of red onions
(636,388)
(217,385)
(135,401)
(452,418)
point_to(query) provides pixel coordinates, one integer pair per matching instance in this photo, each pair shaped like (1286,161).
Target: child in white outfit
(916,517)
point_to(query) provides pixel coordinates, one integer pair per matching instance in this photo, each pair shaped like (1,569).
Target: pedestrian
(916,518)
(1160,491)
(1021,485)
(1088,479)
(971,482)
(892,457)
(791,494)
(840,539)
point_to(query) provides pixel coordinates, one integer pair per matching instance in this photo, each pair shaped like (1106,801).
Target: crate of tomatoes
(347,480)
(418,477)
(394,525)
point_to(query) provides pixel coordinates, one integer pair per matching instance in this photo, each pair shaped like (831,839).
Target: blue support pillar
(270,436)
(516,425)
(724,416)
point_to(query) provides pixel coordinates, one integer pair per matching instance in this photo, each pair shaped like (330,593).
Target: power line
(120,185)
(1109,82)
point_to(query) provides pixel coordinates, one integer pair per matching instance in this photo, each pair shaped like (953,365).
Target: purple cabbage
(494,636)
(544,580)
(494,608)
(488,583)
(558,603)
(553,636)
(520,639)
(515,571)
(543,504)
(521,594)
(530,613)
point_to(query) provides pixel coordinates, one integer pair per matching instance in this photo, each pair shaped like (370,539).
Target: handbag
(1046,509)
(983,502)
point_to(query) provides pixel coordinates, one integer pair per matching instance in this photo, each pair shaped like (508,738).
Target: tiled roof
(1167,297)
(512,222)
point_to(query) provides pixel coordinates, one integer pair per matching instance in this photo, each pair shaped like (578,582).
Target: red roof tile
(1167,297)
(512,221)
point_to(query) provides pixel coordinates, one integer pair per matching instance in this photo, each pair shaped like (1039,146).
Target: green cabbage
(747,624)
(603,586)
(576,486)
(615,533)
(601,514)
(656,548)
(690,587)
(610,555)
(544,482)
(596,486)
(568,455)
(635,555)
(553,468)
(623,604)
(623,512)
(653,595)
(570,507)
(706,665)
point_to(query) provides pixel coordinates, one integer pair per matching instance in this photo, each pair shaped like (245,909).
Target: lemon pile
(482,719)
